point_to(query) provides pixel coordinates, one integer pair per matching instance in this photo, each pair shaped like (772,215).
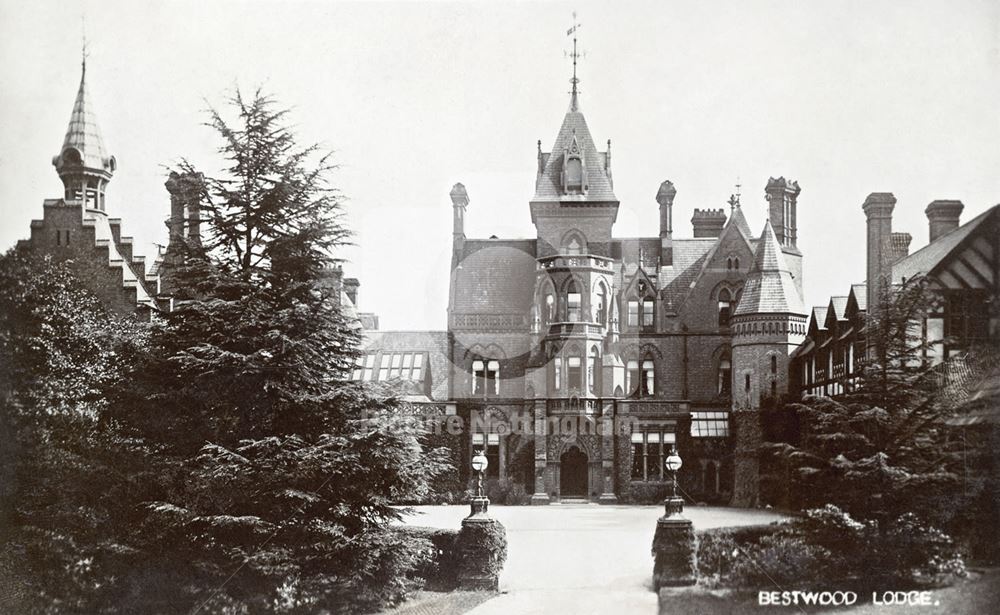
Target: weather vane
(575,55)
(734,199)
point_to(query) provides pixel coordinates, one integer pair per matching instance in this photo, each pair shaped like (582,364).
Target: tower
(82,164)
(768,324)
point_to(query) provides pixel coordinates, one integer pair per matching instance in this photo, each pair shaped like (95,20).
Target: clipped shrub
(440,570)
(481,550)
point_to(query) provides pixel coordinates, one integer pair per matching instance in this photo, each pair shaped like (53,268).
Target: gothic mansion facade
(553,339)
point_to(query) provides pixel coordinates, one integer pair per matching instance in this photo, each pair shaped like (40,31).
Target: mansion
(675,342)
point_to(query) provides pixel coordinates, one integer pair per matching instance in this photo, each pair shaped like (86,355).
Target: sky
(847,98)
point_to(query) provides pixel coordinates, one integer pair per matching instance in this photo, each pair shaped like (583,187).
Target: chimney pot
(943,216)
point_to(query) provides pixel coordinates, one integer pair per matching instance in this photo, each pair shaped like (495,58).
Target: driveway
(580,558)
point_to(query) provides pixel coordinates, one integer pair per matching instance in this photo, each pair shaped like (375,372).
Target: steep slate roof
(819,316)
(495,276)
(82,133)
(924,260)
(769,287)
(740,221)
(860,292)
(548,186)
(839,305)
(434,343)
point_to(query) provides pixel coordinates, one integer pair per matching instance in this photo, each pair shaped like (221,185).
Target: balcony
(585,261)
(570,329)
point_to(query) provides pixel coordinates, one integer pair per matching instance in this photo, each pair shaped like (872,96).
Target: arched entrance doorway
(573,473)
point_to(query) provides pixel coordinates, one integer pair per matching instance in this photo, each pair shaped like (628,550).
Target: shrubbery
(827,547)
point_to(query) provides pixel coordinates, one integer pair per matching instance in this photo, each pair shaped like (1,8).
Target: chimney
(782,197)
(665,197)
(943,217)
(899,246)
(185,206)
(878,209)
(708,222)
(459,201)
(351,289)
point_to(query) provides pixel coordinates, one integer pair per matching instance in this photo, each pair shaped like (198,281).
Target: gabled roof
(860,294)
(740,221)
(769,288)
(839,307)
(548,186)
(818,317)
(924,260)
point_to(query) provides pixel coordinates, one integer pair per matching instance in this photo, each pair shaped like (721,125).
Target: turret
(82,163)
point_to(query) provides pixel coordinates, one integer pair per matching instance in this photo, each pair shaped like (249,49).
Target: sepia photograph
(453,307)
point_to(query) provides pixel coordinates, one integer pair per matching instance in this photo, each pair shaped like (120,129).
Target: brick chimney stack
(708,222)
(878,209)
(899,246)
(943,216)
(665,197)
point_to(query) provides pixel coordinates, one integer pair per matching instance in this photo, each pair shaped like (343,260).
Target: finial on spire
(83,32)
(575,54)
(734,199)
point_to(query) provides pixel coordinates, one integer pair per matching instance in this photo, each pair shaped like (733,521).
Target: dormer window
(574,175)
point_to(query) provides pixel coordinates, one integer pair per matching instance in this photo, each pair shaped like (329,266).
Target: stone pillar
(608,435)
(481,549)
(675,548)
(541,495)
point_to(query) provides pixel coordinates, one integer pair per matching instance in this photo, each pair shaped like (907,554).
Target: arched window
(493,379)
(736,263)
(725,307)
(725,376)
(593,371)
(729,263)
(774,364)
(573,301)
(549,310)
(557,374)
(573,247)
(631,376)
(601,313)
(648,378)
(478,377)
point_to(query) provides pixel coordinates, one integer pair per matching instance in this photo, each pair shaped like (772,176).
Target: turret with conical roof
(768,324)
(83,165)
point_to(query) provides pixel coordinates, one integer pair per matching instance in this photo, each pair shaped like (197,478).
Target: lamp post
(480,503)
(674,505)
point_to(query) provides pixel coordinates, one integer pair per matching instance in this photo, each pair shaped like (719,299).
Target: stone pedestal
(540,499)
(675,548)
(481,549)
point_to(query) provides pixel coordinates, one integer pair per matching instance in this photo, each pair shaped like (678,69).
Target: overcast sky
(845,97)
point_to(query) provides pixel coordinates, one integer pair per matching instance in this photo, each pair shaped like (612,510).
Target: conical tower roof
(770,288)
(574,136)
(83,136)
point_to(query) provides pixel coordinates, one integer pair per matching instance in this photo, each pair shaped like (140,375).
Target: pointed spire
(574,103)
(769,287)
(768,256)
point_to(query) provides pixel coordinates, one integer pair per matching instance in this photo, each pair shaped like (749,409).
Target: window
(725,376)
(557,375)
(648,378)
(369,367)
(574,175)
(489,443)
(593,369)
(631,376)
(417,372)
(647,313)
(935,340)
(774,364)
(736,264)
(359,364)
(633,313)
(725,306)
(493,378)
(383,371)
(572,302)
(602,305)
(550,308)
(709,424)
(649,448)
(574,373)
(747,383)
(574,248)
(478,377)
(397,360)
